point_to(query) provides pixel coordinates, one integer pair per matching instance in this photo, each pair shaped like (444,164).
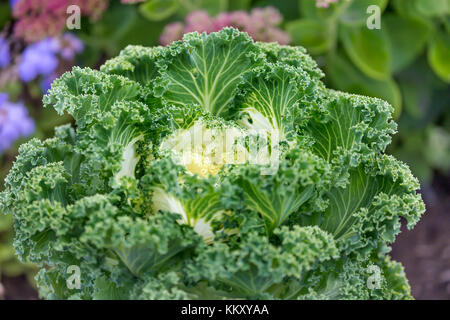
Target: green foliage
(311,33)
(379,63)
(438,54)
(157,10)
(108,36)
(9,264)
(356,81)
(149,201)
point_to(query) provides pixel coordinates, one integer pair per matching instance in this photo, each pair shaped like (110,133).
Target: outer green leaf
(134,62)
(397,283)
(291,56)
(85,94)
(164,287)
(206,71)
(259,265)
(384,198)
(106,290)
(276,197)
(351,125)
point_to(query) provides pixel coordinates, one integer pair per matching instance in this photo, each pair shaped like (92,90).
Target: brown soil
(18,288)
(425,250)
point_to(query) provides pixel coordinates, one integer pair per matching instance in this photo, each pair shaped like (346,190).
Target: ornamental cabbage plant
(213,168)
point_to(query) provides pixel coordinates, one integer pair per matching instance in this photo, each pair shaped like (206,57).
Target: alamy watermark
(374,20)
(74,19)
(374,280)
(205,150)
(74,279)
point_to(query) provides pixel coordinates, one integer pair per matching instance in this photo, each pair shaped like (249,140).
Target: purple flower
(14,122)
(42,58)
(39,59)
(324,3)
(172,32)
(222,20)
(239,19)
(46,83)
(199,21)
(12,3)
(5,57)
(38,19)
(70,46)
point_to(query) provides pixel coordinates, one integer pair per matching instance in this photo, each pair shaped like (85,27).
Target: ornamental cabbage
(213,168)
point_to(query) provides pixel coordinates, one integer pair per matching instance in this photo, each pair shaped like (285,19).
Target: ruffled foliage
(117,196)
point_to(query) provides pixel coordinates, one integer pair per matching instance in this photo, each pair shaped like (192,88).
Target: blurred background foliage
(9,265)
(406,62)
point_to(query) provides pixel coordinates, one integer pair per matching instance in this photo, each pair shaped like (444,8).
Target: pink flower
(38,19)
(324,3)
(261,24)
(91,8)
(239,19)
(132,1)
(223,20)
(172,32)
(268,16)
(199,21)
(276,35)
(70,45)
